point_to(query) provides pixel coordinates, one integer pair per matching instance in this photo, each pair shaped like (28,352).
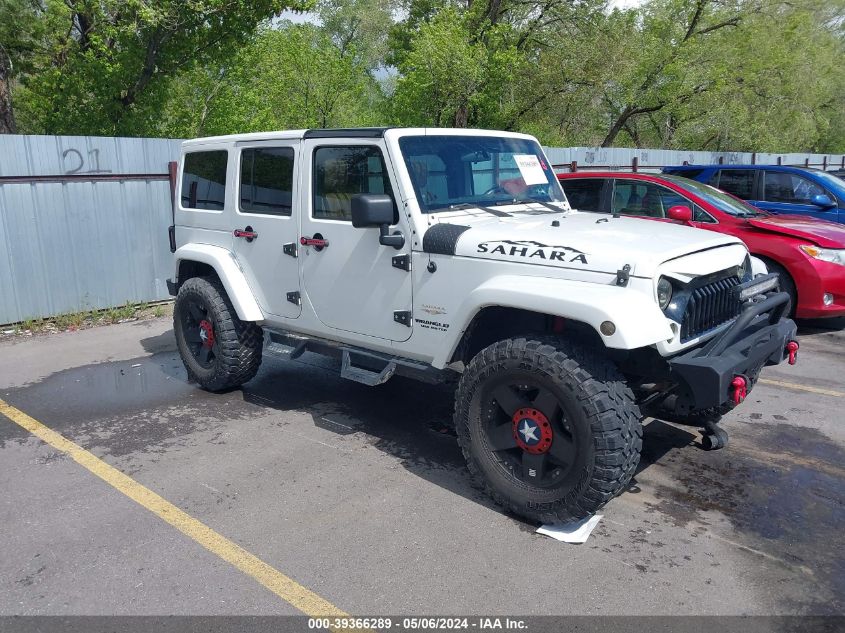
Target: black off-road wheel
(218,349)
(548,427)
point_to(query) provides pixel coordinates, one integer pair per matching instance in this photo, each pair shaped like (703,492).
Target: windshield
(723,201)
(455,171)
(832,181)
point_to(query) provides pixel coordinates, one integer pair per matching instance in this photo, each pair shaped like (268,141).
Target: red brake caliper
(206,333)
(532,430)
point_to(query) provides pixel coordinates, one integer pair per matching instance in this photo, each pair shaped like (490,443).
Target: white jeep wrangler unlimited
(455,252)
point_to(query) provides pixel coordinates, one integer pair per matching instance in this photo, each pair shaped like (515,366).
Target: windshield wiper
(543,203)
(470,205)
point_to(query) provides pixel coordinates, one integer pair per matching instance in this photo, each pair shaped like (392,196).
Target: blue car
(775,188)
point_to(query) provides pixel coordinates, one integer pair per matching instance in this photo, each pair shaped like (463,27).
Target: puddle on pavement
(782,489)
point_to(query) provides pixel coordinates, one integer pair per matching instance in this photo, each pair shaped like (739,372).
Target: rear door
(265,223)
(789,192)
(740,182)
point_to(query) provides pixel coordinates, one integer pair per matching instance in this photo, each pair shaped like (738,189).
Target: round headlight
(664,293)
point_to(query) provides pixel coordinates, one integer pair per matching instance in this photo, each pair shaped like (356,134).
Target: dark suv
(775,188)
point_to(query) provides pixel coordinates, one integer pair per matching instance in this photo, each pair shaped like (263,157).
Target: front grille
(710,306)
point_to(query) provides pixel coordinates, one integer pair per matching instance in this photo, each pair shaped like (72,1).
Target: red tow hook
(739,388)
(792,350)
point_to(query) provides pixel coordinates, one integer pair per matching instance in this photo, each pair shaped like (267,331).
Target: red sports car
(809,254)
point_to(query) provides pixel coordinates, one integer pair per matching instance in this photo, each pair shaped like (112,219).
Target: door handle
(317,242)
(246,233)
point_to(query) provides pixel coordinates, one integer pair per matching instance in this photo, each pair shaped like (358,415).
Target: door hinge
(290,249)
(623,275)
(403,317)
(294,298)
(402,261)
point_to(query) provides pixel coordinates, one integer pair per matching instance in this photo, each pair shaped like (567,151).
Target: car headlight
(664,292)
(832,255)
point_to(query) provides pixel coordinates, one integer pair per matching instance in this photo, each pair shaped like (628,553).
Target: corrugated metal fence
(83,223)
(651,160)
(83,220)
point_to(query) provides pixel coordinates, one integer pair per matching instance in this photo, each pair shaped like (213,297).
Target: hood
(819,232)
(583,241)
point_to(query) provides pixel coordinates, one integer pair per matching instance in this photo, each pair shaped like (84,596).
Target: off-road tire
(238,343)
(595,400)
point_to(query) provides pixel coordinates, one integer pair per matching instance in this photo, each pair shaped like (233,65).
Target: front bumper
(814,278)
(757,338)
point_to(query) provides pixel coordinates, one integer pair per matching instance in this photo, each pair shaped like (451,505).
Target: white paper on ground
(575,532)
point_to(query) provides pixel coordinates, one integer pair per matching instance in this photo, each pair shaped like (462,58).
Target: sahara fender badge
(531,249)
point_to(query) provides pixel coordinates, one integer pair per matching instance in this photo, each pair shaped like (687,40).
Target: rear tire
(219,350)
(555,409)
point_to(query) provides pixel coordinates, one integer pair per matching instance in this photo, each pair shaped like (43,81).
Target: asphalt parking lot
(361,496)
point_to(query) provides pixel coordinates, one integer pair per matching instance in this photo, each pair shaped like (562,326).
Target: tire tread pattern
(604,398)
(239,343)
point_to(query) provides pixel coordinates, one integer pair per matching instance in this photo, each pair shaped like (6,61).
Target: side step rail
(368,377)
(363,366)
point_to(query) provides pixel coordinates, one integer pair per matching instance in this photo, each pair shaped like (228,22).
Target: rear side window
(739,182)
(781,186)
(342,172)
(267,180)
(204,180)
(583,194)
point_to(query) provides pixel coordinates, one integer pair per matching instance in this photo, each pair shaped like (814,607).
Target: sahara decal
(531,249)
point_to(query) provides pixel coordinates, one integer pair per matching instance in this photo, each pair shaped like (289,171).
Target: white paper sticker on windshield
(529,167)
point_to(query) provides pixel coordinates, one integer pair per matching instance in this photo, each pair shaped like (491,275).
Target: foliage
(757,75)
(101,67)
(290,77)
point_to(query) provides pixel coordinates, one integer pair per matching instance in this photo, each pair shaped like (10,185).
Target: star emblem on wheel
(529,432)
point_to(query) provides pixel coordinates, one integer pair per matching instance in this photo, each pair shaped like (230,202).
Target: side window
(204,180)
(669,198)
(739,182)
(700,215)
(342,172)
(791,188)
(642,198)
(583,194)
(267,180)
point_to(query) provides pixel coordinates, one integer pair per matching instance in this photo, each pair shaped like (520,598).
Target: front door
(786,192)
(351,282)
(265,221)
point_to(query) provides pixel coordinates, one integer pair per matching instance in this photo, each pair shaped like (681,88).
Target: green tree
(105,67)
(290,76)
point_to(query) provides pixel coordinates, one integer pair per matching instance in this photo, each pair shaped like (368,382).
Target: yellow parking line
(286,588)
(793,385)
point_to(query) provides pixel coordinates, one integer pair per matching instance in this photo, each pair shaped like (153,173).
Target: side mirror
(822,200)
(680,213)
(376,209)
